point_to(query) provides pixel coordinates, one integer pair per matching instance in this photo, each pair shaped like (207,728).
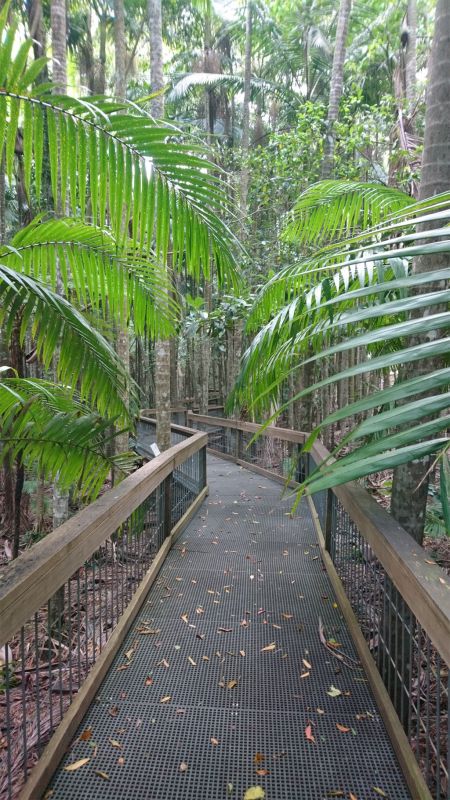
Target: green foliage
(366,312)
(55,433)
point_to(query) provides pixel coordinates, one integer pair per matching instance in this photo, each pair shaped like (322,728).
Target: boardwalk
(233,678)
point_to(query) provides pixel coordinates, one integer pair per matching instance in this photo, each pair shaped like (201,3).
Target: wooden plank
(400,743)
(43,770)
(177,428)
(31,579)
(272,431)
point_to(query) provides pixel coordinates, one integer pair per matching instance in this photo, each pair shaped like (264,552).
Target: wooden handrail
(250,427)
(424,586)
(32,579)
(176,428)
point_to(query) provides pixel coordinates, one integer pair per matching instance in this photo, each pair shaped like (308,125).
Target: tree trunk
(410,483)
(162,349)
(59,39)
(156,56)
(411,56)
(100,84)
(336,85)
(120,49)
(244,178)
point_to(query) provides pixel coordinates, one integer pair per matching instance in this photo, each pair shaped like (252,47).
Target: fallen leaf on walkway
(163,663)
(229,789)
(144,631)
(258,758)
(352,796)
(306,663)
(200,635)
(210,591)
(121,761)
(268,648)
(214,741)
(166,699)
(255,793)
(342,728)
(224,630)
(148,680)
(86,735)
(184,617)
(287,616)
(122,666)
(305,675)
(183,766)
(231,684)
(263,772)
(191,661)
(242,653)
(379,791)
(333,692)
(115,743)
(113,711)
(244,623)
(77,764)
(320,711)
(199,610)
(102,774)
(278,627)
(309,734)
(205,658)
(130,653)
(180,711)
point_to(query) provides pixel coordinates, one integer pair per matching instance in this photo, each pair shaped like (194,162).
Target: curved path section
(225,682)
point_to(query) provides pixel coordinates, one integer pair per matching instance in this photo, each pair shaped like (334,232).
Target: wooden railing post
(167,523)
(328,532)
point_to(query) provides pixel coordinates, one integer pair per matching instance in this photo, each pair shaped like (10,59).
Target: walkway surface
(234,688)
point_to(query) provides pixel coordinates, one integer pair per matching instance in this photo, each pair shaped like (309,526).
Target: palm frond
(53,431)
(85,357)
(336,208)
(95,272)
(232,84)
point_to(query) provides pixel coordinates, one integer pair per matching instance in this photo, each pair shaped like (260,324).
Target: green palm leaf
(85,357)
(336,208)
(55,433)
(94,271)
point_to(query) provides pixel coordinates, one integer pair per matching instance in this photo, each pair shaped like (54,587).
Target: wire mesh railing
(62,600)
(400,597)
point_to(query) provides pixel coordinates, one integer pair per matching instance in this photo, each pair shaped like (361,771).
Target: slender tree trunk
(411,56)
(410,484)
(120,49)
(244,178)
(162,348)
(59,39)
(336,85)
(100,83)
(156,56)
(59,67)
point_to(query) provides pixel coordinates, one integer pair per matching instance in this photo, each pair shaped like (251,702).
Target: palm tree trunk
(59,37)
(162,348)
(336,84)
(410,484)
(244,179)
(120,49)
(411,56)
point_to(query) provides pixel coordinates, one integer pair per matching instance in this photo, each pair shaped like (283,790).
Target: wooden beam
(272,431)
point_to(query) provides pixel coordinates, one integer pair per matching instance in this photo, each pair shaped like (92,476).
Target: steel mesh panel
(270,706)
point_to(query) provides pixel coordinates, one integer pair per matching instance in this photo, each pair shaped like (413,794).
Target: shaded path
(235,709)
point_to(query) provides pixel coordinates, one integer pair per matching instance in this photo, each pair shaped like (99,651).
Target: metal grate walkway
(198,709)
